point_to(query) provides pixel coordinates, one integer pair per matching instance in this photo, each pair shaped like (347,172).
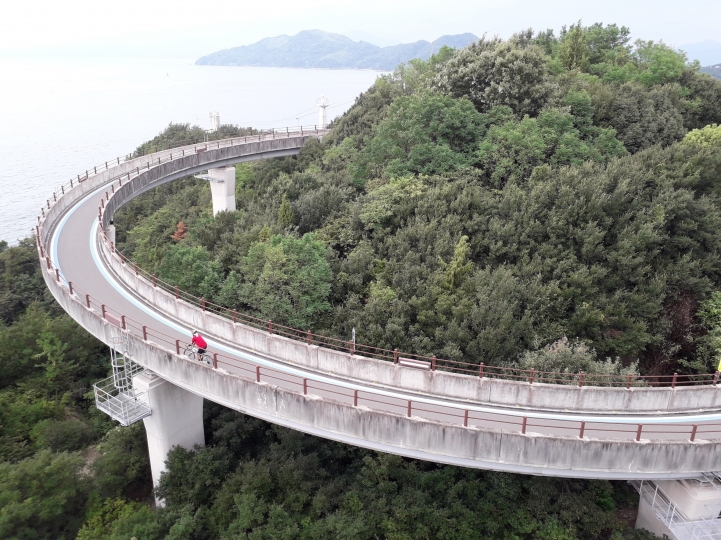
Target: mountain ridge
(319,49)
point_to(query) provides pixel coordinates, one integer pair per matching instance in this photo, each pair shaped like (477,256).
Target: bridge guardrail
(449,414)
(412,408)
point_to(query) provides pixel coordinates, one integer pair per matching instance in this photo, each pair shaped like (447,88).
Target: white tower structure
(322,103)
(214,121)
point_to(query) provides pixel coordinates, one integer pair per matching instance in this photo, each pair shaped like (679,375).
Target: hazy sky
(189,29)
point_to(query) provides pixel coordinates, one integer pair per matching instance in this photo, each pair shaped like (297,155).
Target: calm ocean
(60,117)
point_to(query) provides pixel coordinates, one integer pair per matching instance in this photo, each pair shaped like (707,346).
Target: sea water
(61,117)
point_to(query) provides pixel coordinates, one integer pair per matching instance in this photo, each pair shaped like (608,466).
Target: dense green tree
(493,72)
(710,136)
(191,268)
(574,51)
(286,218)
(644,117)
(425,133)
(42,497)
(284,279)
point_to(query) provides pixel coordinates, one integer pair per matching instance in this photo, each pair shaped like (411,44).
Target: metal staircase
(683,527)
(115,396)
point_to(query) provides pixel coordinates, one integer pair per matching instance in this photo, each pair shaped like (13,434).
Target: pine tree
(574,49)
(286,218)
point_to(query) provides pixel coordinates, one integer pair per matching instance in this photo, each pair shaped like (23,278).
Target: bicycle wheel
(190,353)
(207,359)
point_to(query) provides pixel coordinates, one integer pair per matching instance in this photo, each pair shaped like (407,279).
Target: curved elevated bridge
(425,408)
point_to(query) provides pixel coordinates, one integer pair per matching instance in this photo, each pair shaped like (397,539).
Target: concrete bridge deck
(559,430)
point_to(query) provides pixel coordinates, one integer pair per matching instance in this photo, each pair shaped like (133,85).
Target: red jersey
(200,342)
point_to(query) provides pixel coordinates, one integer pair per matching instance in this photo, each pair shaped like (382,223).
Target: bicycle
(191,351)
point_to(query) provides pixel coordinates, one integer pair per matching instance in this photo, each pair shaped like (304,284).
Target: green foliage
(122,467)
(191,268)
(284,279)
(20,280)
(42,497)
(286,218)
(643,117)
(279,483)
(492,73)
(512,150)
(573,358)
(425,133)
(708,136)
(574,51)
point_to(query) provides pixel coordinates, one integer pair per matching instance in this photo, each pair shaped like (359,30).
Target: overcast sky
(189,29)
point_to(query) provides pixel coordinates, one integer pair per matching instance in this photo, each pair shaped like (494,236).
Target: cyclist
(199,342)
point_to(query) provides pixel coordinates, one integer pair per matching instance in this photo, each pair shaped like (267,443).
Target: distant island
(318,49)
(714,71)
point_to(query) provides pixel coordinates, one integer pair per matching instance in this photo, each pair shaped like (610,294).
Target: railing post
(112,247)
(177,294)
(122,323)
(580,380)
(480,370)
(628,381)
(715,378)
(309,337)
(47,261)
(355,398)
(103,309)
(70,285)
(155,280)
(465,418)
(215,360)
(673,381)
(57,274)
(87,300)
(638,432)
(305,386)
(235,316)
(145,333)
(433,363)
(257,373)
(693,433)
(409,408)
(351,347)
(136,269)
(202,303)
(270,326)
(395,356)
(530,376)
(523,426)
(583,428)
(177,347)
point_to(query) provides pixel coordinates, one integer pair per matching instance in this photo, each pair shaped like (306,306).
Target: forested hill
(482,206)
(318,49)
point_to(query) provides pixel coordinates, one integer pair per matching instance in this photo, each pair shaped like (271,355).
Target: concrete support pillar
(222,188)
(110,232)
(176,420)
(678,507)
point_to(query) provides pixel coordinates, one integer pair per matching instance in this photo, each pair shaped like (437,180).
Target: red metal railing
(530,375)
(362,398)
(417,408)
(198,146)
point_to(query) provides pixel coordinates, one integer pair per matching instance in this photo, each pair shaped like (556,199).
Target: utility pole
(322,103)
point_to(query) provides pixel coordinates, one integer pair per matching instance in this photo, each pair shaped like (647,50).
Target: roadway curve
(437,416)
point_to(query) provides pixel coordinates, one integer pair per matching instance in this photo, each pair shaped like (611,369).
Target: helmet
(195,332)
